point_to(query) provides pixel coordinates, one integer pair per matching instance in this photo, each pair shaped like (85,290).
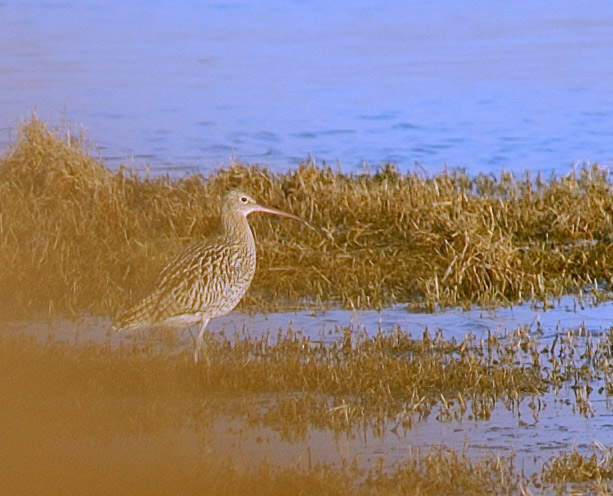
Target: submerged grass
(572,471)
(387,381)
(76,237)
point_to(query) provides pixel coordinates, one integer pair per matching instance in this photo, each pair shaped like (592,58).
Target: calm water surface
(479,85)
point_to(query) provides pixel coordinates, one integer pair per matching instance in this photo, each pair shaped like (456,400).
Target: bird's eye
(243,199)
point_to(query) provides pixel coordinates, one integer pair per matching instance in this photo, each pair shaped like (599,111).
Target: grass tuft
(76,237)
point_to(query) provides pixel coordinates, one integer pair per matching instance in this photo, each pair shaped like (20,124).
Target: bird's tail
(136,317)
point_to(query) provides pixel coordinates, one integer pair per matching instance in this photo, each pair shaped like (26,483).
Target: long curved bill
(281,213)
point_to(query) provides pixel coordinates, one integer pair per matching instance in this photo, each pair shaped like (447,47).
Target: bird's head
(239,202)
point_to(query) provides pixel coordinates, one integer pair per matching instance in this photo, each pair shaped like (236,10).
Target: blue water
(481,85)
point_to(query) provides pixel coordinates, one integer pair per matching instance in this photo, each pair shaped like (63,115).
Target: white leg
(200,347)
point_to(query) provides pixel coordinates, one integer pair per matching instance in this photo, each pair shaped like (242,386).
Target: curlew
(206,279)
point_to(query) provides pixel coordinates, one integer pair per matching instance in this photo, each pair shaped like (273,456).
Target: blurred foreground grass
(78,238)
(127,419)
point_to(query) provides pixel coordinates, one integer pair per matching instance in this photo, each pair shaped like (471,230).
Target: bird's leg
(200,347)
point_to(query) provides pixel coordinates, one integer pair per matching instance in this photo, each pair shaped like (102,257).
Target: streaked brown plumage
(206,279)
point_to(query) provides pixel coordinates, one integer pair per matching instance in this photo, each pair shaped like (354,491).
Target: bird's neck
(235,228)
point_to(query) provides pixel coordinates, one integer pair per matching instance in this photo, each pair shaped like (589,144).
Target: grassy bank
(76,237)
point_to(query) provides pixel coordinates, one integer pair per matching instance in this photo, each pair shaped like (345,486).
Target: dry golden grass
(76,237)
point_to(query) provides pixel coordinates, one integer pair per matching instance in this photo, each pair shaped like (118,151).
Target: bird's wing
(191,282)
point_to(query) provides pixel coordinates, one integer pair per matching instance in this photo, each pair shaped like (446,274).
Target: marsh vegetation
(78,239)
(142,417)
